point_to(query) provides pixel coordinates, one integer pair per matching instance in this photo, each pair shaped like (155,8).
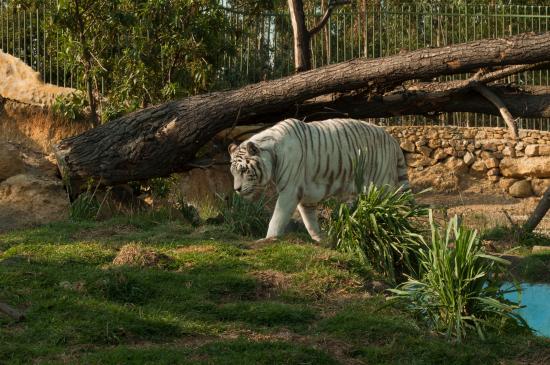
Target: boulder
(469,158)
(526,167)
(478,167)
(417,159)
(10,161)
(27,199)
(456,165)
(539,186)
(505,183)
(425,150)
(537,150)
(521,189)
(491,163)
(509,151)
(407,146)
(439,154)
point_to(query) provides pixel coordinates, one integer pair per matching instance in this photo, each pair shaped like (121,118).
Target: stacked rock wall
(520,168)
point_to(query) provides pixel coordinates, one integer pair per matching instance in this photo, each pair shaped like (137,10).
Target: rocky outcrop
(27,200)
(10,161)
(21,83)
(30,191)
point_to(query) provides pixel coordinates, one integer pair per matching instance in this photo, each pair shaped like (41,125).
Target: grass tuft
(379,228)
(245,217)
(458,287)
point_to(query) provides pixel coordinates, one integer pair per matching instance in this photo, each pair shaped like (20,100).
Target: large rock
(31,199)
(469,158)
(417,159)
(407,146)
(10,161)
(537,150)
(456,165)
(526,167)
(539,186)
(521,189)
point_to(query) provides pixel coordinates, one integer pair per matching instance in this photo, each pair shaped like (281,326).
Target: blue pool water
(536,299)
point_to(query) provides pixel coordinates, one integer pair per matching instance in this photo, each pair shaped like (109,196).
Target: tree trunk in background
(540,211)
(164,139)
(532,102)
(302,47)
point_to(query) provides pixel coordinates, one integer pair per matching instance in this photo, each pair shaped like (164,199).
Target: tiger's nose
(238,190)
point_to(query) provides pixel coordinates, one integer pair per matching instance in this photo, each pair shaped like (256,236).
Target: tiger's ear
(232,148)
(252,149)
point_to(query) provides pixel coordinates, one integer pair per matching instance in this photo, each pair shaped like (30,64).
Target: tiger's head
(251,168)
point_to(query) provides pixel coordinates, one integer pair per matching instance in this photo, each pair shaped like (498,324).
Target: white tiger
(309,162)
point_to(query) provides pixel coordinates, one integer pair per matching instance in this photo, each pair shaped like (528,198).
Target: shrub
(244,217)
(379,228)
(457,288)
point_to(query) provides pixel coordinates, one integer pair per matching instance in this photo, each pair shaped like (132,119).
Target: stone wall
(444,157)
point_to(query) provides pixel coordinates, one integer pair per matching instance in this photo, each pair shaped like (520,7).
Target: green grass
(222,299)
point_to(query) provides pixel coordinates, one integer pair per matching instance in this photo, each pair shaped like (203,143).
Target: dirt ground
(484,207)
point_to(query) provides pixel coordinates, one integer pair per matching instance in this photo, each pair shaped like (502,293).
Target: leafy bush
(244,217)
(71,107)
(379,228)
(458,286)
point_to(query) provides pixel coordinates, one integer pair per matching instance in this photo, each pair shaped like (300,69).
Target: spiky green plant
(457,288)
(379,228)
(243,216)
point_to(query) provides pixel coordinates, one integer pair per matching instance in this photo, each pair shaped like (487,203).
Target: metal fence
(262,43)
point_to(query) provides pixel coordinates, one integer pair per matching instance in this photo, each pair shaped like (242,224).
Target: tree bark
(540,211)
(162,139)
(302,47)
(533,102)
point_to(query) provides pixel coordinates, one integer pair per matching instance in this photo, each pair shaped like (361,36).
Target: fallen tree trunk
(529,102)
(163,139)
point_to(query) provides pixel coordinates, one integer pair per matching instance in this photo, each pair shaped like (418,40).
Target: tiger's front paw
(267,240)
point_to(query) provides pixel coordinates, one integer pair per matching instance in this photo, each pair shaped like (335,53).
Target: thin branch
(479,77)
(326,16)
(540,211)
(511,70)
(497,102)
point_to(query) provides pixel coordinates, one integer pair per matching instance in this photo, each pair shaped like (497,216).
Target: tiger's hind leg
(309,216)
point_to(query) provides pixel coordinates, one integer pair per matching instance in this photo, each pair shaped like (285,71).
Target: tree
(163,139)
(302,36)
(135,53)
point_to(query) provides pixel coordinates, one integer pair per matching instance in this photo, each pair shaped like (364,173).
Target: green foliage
(71,107)
(457,288)
(134,53)
(220,301)
(379,228)
(245,217)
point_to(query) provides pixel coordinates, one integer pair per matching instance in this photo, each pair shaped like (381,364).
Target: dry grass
(35,128)
(136,255)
